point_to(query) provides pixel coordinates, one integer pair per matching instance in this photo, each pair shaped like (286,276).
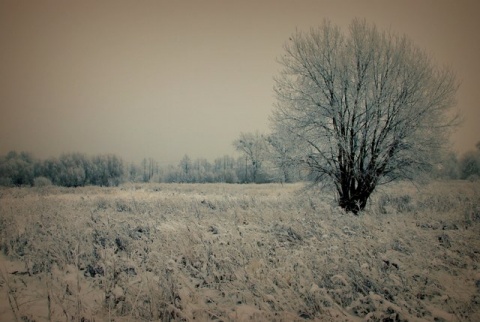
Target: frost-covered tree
(224,169)
(17,169)
(470,165)
(365,107)
(281,153)
(253,147)
(185,168)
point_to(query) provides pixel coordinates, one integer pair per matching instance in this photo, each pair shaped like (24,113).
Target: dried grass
(183,252)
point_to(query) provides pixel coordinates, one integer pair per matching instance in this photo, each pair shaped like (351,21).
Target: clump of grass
(401,203)
(102,203)
(122,205)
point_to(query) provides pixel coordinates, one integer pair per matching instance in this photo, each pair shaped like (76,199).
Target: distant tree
(170,174)
(253,146)
(108,170)
(185,167)
(365,107)
(202,171)
(448,167)
(115,170)
(150,167)
(51,168)
(134,173)
(224,169)
(282,154)
(144,167)
(17,169)
(72,171)
(470,165)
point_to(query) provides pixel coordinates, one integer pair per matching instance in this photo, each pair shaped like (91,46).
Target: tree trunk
(354,199)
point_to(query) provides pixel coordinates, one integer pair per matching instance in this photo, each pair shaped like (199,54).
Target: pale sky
(163,79)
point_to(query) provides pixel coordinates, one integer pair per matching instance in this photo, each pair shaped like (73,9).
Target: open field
(162,252)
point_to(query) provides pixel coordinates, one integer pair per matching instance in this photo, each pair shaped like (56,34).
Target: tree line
(78,169)
(463,167)
(263,159)
(69,170)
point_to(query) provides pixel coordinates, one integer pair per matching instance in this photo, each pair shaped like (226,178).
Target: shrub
(42,182)
(5,182)
(470,165)
(473,177)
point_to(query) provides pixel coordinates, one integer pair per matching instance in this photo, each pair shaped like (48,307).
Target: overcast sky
(163,79)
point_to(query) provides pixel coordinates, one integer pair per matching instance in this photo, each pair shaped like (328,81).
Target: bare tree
(185,166)
(280,153)
(253,147)
(366,107)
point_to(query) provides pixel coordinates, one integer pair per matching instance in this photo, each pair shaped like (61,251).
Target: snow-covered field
(162,252)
